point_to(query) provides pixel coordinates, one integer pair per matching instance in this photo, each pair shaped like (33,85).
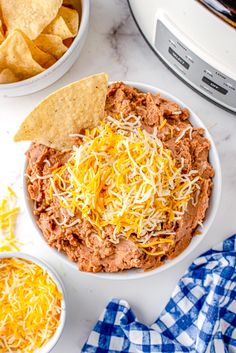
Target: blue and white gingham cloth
(199,317)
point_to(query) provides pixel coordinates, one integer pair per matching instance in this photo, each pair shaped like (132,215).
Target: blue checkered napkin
(199,317)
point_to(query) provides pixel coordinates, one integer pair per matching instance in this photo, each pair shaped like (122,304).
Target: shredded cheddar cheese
(30,306)
(162,124)
(122,176)
(8,214)
(190,129)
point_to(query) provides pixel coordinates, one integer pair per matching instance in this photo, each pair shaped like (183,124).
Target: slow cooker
(196,40)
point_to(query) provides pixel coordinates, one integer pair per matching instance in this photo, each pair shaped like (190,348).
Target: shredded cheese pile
(122,176)
(30,306)
(8,214)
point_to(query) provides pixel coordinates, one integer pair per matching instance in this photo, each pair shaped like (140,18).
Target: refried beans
(79,241)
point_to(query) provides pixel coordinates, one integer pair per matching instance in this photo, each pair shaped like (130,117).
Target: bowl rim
(195,241)
(50,270)
(85,5)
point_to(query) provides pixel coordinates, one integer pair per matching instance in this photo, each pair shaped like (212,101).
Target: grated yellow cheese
(30,306)
(8,214)
(162,124)
(121,175)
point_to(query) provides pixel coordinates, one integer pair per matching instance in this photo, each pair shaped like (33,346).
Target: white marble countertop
(114,45)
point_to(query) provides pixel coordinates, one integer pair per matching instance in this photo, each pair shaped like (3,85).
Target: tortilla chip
(51,44)
(77,106)
(16,55)
(19,54)
(7,76)
(71,17)
(44,59)
(30,16)
(75,4)
(65,25)
(2,37)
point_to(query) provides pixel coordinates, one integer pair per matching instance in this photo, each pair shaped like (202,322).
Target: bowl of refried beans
(160,185)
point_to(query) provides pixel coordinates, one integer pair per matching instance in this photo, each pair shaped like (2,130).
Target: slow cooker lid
(224,9)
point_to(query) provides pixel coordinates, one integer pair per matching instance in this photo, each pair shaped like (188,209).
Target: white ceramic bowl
(52,74)
(52,342)
(210,215)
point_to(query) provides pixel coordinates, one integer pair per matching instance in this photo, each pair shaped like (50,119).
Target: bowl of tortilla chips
(121,177)
(39,42)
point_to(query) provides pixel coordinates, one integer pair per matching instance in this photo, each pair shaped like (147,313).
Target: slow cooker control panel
(195,71)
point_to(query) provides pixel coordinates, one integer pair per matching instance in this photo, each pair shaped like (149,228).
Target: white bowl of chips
(214,199)
(44,335)
(37,51)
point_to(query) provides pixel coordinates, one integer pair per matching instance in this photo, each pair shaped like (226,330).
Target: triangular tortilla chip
(73,4)
(71,18)
(65,25)
(30,16)
(77,106)
(7,76)
(43,58)
(51,44)
(15,55)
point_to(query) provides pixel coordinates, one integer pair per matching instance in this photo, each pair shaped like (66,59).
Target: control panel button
(177,57)
(214,85)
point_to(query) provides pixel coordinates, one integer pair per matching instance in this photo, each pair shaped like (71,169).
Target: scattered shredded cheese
(8,214)
(162,124)
(176,112)
(121,175)
(190,129)
(46,161)
(30,306)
